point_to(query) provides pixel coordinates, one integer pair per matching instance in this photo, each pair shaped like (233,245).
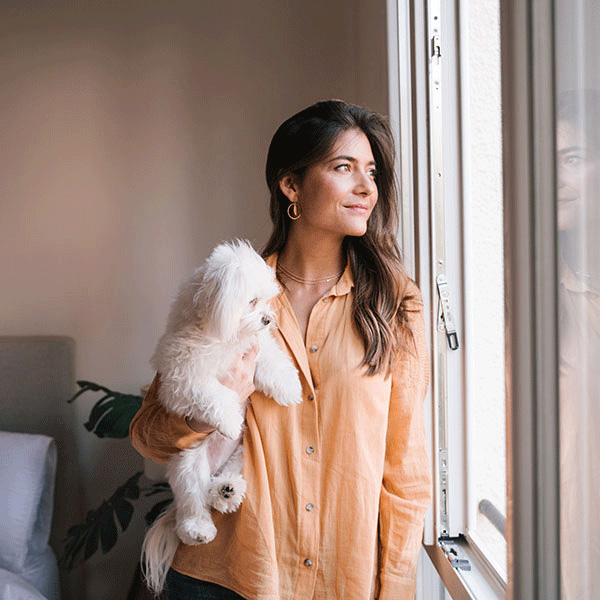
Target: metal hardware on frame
(436,49)
(443,462)
(445,316)
(451,550)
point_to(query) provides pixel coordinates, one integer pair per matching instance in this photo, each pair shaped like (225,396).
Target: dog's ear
(223,295)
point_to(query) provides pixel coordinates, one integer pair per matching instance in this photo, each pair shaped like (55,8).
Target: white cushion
(12,587)
(41,571)
(27,471)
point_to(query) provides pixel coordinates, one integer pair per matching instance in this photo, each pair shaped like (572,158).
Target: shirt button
(309,449)
(307,562)
(311,397)
(309,507)
(313,348)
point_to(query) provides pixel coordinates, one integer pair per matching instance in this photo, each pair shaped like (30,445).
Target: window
(483,282)
(578,281)
(451,147)
(500,164)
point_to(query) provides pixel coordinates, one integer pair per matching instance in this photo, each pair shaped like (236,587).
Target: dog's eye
(254,302)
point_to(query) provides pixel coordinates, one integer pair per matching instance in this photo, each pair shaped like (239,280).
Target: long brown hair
(380,307)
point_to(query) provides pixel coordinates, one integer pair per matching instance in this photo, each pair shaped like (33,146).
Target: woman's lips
(360,208)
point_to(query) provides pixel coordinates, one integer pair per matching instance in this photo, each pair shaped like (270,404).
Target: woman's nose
(366,184)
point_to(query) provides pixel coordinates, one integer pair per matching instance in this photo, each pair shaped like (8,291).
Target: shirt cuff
(207,432)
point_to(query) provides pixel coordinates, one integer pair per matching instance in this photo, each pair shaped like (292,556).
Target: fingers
(240,377)
(251,353)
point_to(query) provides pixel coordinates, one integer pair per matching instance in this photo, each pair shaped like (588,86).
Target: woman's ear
(288,185)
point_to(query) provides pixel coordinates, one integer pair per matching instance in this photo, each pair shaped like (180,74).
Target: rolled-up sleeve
(157,434)
(406,487)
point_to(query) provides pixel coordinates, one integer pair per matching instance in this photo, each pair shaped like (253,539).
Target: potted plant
(110,417)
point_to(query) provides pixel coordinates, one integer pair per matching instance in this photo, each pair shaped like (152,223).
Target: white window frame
(527,41)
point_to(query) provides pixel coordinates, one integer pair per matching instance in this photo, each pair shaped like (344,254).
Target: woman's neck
(312,259)
(586,267)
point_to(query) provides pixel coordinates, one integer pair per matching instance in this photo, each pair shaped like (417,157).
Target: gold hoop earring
(293,211)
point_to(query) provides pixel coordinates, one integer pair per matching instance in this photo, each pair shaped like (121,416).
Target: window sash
(527,47)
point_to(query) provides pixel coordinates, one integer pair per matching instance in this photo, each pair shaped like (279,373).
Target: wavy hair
(380,307)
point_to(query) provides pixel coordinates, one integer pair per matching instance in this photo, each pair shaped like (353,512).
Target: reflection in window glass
(578,222)
(484,278)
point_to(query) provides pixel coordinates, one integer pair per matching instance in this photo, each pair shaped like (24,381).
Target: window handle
(445,315)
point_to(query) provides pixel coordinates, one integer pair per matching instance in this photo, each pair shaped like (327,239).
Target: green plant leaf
(108,528)
(124,512)
(157,510)
(111,415)
(86,386)
(114,417)
(76,530)
(72,548)
(91,541)
(100,524)
(131,488)
(159,488)
(98,411)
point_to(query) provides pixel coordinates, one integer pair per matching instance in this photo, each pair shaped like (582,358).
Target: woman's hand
(240,379)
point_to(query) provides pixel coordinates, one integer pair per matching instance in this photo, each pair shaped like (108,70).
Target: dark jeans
(182,587)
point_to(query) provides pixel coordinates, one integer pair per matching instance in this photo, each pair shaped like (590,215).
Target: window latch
(445,316)
(453,553)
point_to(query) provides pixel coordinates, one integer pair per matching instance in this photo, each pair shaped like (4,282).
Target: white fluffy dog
(218,314)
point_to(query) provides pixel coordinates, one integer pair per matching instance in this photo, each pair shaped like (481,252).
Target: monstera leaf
(101,526)
(111,415)
(110,418)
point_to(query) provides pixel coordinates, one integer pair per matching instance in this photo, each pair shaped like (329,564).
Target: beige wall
(134,136)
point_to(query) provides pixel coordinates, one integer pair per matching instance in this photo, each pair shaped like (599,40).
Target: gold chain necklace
(298,279)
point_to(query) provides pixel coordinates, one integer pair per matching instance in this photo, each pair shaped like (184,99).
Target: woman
(338,485)
(578,218)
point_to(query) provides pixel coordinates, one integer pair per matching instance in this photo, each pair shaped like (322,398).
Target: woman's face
(338,193)
(578,178)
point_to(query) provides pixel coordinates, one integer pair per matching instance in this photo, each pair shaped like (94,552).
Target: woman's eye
(339,167)
(373,172)
(573,159)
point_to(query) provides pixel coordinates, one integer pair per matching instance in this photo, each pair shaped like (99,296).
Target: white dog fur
(216,317)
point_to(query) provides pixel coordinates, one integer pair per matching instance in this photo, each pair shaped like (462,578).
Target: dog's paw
(287,398)
(226,493)
(290,392)
(196,530)
(231,426)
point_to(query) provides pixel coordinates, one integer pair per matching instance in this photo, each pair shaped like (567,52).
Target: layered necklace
(297,279)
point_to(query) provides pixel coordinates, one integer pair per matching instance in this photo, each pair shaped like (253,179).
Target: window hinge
(452,551)
(445,315)
(436,48)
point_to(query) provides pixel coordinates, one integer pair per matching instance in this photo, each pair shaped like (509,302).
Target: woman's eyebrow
(571,149)
(350,158)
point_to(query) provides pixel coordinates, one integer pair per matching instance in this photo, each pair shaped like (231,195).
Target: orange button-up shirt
(337,486)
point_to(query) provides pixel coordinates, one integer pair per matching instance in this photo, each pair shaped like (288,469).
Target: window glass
(578,222)
(484,279)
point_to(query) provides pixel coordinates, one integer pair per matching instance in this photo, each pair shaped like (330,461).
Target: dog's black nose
(266,320)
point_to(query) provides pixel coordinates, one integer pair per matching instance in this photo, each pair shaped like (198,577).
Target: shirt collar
(344,284)
(572,282)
